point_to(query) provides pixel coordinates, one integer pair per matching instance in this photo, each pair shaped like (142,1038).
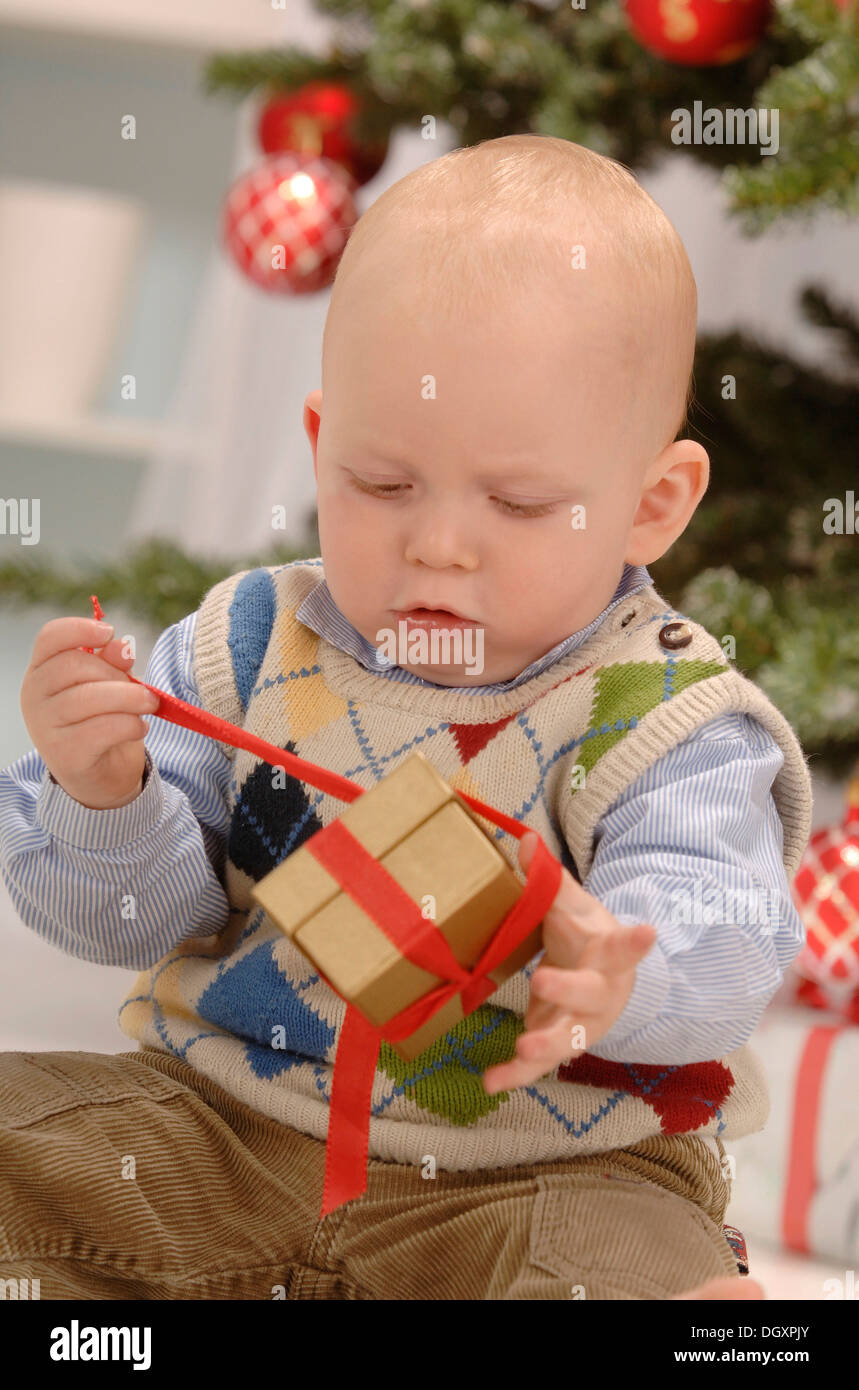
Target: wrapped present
(435,850)
(825,974)
(796,1183)
(479,892)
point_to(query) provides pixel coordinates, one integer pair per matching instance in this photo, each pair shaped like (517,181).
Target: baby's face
(474,464)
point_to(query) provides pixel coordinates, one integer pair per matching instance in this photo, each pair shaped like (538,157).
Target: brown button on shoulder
(675,635)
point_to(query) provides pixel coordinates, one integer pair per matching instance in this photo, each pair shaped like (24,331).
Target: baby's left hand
(585,978)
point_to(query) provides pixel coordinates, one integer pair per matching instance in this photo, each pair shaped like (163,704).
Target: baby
(506,367)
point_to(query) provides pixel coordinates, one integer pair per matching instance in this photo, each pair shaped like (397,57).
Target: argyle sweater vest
(248,1010)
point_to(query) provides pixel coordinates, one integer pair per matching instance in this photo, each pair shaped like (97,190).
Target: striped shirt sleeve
(694,846)
(123,887)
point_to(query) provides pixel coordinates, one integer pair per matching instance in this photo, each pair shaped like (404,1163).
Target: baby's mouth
(433,617)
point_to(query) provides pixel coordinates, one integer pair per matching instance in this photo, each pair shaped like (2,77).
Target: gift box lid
(380,820)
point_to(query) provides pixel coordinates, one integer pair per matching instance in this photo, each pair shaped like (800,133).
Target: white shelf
(196,25)
(92,434)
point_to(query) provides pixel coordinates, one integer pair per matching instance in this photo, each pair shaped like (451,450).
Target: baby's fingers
(118,654)
(536,1054)
(619,949)
(576,992)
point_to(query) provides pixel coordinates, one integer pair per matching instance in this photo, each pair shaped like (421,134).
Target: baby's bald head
(498,224)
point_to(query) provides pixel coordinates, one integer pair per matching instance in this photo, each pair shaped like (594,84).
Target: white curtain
(236,446)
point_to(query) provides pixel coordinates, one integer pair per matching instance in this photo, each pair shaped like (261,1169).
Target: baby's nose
(440,541)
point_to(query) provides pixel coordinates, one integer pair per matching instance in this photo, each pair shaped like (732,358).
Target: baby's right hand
(83,714)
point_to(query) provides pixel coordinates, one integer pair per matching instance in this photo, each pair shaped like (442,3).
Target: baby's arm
(701,822)
(124,886)
(644,986)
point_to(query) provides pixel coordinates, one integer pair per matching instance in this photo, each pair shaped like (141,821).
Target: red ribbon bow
(381,897)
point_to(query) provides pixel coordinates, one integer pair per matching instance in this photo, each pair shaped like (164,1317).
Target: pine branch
(156,581)
(797,184)
(796,646)
(812,21)
(492,69)
(244,72)
(819,309)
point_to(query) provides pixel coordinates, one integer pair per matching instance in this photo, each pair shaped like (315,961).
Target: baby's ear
(312,419)
(674,486)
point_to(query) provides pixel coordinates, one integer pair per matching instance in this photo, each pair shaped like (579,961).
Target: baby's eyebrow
(493,475)
(527,478)
(520,471)
(522,475)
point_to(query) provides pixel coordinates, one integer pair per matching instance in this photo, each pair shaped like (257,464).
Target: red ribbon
(802,1180)
(379,895)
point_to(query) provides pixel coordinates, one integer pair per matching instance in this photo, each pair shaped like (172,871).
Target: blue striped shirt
(125,888)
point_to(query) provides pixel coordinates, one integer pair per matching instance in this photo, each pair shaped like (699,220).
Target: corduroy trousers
(133,1176)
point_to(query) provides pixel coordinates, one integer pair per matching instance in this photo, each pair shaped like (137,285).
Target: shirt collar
(320,613)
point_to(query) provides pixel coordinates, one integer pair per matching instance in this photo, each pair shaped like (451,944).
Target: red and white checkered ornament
(286,222)
(826,893)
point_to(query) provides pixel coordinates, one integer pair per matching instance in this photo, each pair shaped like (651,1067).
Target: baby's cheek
(346,536)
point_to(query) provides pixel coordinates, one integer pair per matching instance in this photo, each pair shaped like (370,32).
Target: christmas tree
(557,68)
(769,560)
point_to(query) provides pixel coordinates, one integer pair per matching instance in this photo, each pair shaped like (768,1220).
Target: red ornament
(286,222)
(700,33)
(826,893)
(318,119)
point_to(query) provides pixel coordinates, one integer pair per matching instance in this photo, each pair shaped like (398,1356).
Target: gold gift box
(434,847)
